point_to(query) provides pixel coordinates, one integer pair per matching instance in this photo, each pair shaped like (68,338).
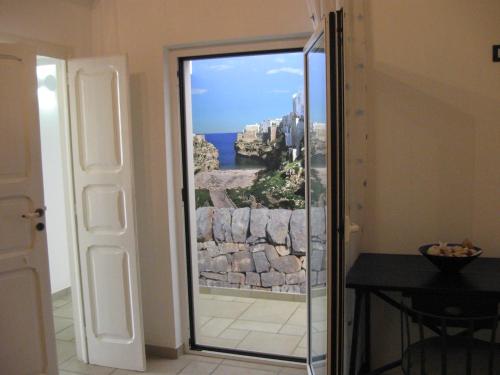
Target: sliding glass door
(324,192)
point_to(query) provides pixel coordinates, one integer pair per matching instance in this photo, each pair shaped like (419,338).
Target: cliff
(205,154)
(254,149)
(272,153)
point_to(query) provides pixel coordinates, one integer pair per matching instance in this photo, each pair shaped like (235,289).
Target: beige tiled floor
(253,324)
(187,364)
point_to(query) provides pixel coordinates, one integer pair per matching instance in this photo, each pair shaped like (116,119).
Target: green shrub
(271,189)
(202,198)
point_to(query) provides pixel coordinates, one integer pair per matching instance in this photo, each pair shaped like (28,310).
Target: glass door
(244,201)
(324,194)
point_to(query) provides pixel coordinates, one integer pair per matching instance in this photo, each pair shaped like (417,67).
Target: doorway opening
(90,212)
(58,198)
(242,122)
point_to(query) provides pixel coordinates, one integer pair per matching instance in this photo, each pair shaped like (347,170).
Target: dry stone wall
(262,249)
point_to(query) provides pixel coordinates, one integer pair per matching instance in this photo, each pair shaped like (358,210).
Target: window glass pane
(318,185)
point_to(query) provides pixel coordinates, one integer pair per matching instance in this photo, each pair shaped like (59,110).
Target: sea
(224,142)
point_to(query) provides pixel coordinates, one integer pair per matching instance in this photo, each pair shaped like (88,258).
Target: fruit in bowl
(451,257)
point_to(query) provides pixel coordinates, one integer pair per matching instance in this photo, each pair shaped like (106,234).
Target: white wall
(53,183)
(60,22)
(434,132)
(434,96)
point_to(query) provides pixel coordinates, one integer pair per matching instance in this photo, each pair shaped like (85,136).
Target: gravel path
(225,179)
(218,181)
(220,199)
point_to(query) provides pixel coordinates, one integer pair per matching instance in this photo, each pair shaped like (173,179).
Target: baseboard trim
(61,293)
(164,352)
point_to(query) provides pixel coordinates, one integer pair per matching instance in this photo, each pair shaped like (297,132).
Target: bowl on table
(450,261)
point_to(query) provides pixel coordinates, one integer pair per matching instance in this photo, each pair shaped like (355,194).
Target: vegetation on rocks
(280,185)
(202,198)
(282,188)
(205,154)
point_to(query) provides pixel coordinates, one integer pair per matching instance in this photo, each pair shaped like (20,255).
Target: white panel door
(27,344)
(104,194)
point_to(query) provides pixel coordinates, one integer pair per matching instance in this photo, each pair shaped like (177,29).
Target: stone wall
(263,249)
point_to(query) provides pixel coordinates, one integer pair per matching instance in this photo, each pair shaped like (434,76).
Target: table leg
(367,364)
(355,332)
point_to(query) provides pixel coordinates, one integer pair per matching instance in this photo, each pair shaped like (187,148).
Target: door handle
(350,227)
(39,212)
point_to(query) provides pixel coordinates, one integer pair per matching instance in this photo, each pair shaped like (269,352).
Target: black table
(411,274)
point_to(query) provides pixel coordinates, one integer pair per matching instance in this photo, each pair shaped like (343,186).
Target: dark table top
(414,273)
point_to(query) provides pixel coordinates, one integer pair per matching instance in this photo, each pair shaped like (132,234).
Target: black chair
(453,347)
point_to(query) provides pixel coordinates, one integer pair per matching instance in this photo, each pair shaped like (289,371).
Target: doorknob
(39,212)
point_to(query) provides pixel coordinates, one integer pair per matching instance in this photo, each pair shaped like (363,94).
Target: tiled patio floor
(185,365)
(253,324)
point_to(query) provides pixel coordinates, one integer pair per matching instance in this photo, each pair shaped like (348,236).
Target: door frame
(189,207)
(331,28)
(174,144)
(64,53)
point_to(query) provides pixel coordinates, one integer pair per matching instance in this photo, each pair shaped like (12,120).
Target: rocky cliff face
(271,153)
(253,149)
(206,156)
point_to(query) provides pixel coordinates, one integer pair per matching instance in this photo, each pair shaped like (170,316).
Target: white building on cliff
(293,125)
(250,133)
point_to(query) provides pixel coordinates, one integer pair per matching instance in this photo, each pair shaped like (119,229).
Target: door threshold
(246,358)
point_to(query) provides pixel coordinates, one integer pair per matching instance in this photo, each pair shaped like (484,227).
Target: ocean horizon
(224,142)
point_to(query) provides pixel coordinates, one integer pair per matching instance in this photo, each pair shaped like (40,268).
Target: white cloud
(286,69)
(280,60)
(278,91)
(220,67)
(198,91)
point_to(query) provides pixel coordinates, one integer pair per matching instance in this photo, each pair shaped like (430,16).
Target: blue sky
(230,92)
(317,87)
